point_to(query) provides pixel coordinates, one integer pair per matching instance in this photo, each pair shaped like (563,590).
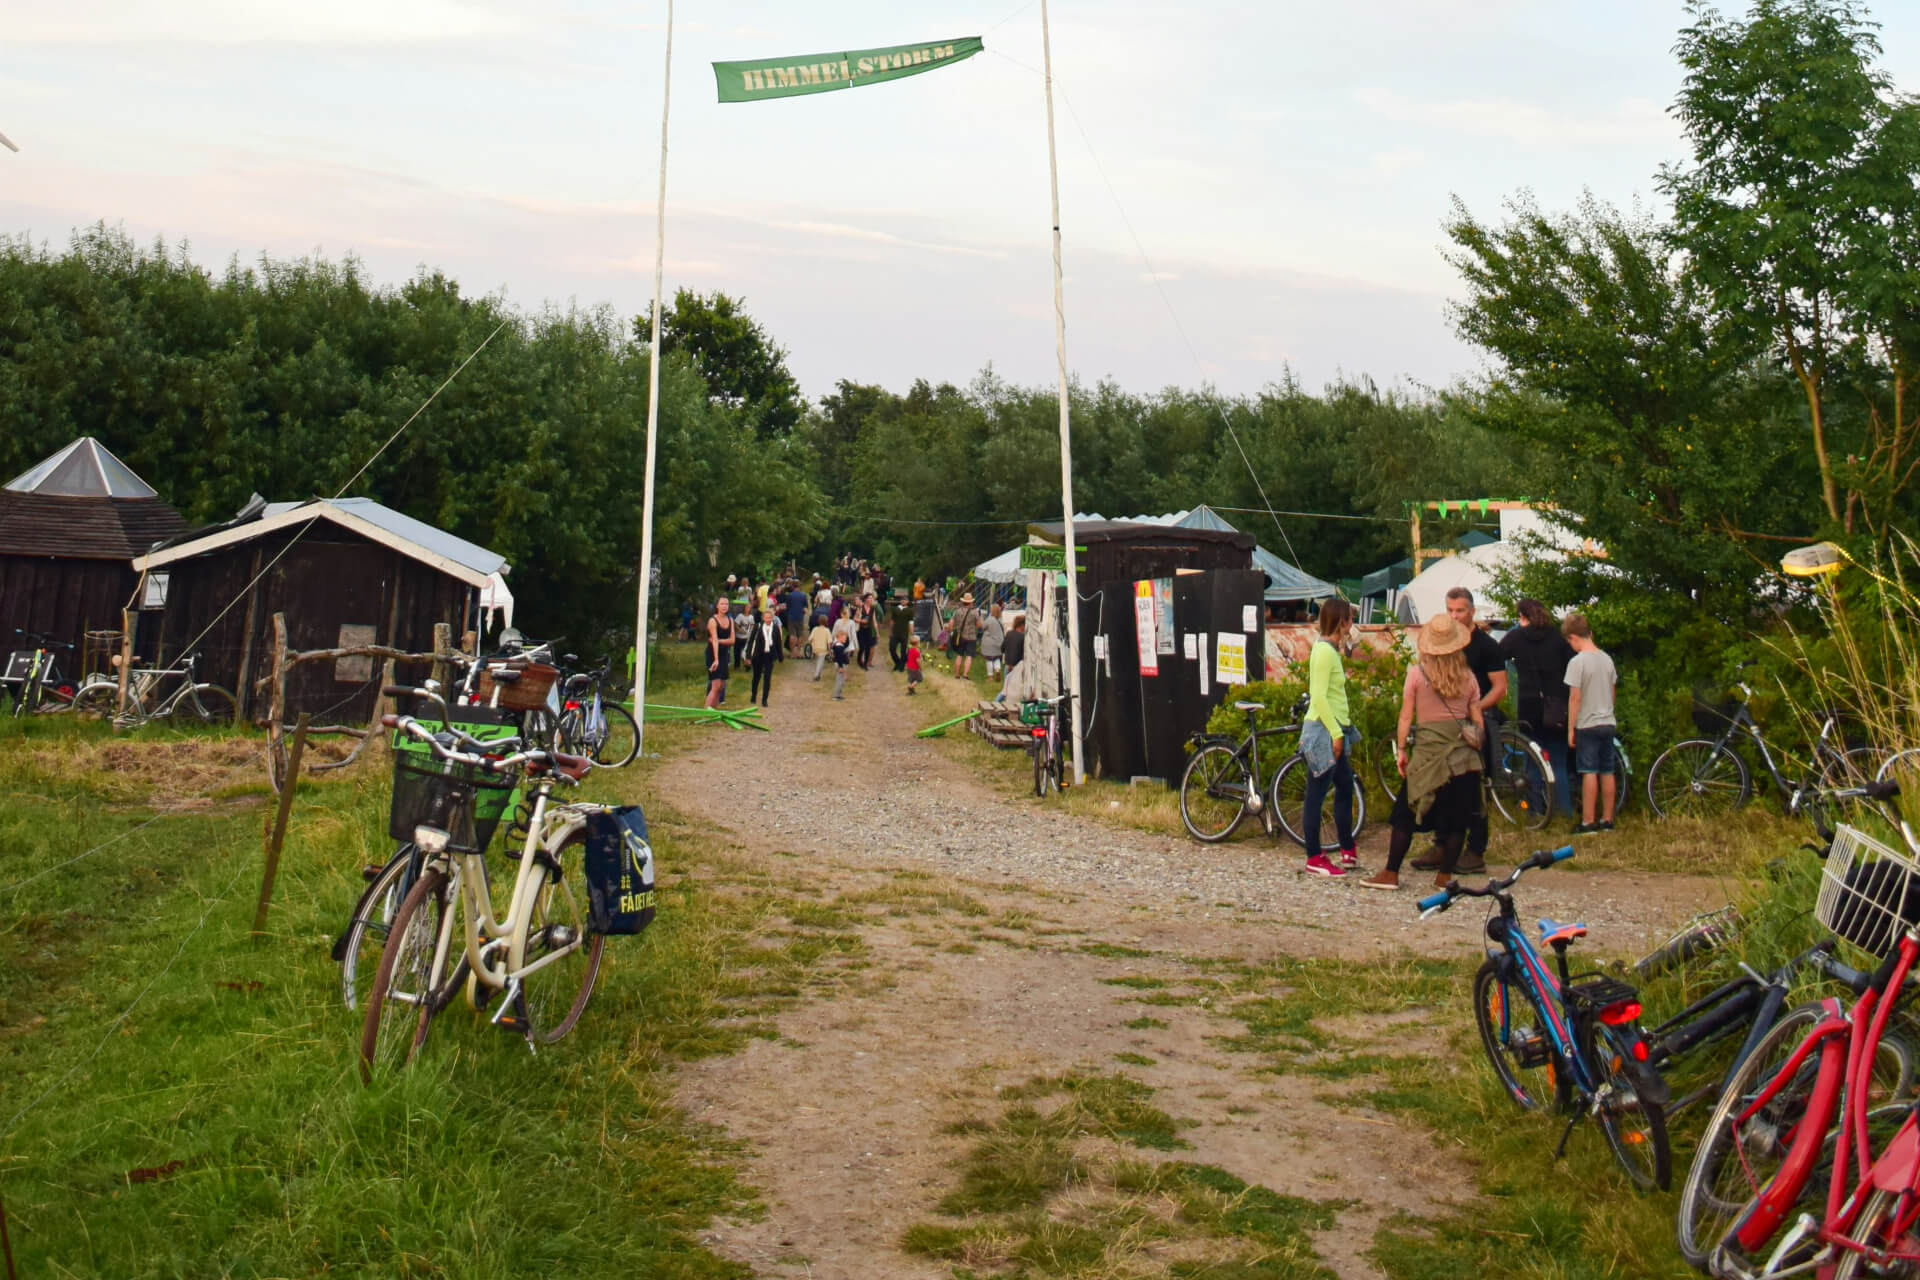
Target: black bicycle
(1707,778)
(1221,786)
(33,675)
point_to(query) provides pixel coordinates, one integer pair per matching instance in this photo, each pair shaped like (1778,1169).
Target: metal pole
(1066,439)
(653,407)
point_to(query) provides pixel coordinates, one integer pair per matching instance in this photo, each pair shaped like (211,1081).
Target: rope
(111,840)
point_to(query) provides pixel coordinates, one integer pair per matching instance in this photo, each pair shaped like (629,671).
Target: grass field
(181,1099)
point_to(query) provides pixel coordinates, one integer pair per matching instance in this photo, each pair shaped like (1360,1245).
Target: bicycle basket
(1713,711)
(1869,894)
(528,693)
(465,802)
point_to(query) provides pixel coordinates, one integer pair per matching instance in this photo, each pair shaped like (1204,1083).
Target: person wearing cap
(967,624)
(1437,749)
(899,630)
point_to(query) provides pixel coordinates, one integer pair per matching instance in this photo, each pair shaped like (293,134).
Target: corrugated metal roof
(436,542)
(84,469)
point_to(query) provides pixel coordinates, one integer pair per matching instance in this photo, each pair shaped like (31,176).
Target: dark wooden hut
(69,531)
(345,572)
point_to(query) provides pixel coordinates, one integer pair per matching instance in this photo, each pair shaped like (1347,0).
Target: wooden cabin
(346,572)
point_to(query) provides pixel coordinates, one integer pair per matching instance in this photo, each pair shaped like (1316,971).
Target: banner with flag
(821,72)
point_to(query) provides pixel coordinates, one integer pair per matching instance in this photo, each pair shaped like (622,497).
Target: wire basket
(1869,893)
(464,801)
(1712,712)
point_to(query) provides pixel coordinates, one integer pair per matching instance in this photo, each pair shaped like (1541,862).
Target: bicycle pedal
(371,872)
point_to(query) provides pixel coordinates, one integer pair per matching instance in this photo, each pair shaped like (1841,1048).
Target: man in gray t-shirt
(1590,725)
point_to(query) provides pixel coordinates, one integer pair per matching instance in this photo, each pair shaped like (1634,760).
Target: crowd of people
(837,618)
(1449,721)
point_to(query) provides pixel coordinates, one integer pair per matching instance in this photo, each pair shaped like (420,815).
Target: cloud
(843,231)
(245,22)
(1629,122)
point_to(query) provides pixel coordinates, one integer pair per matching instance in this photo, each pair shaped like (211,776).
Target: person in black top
(719,652)
(1490,671)
(1540,654)
(899,627)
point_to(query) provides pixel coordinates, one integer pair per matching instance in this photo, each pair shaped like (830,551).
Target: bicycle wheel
(1622,781)
(1697,779)
(1513,1031)
(1213,792)
(1288,799)
(1878,1228)
(556,993)
(371,924)
(400,1001)
(1636,1129)
(1696,937)
(1518,783)
(1855,767)
(203,704)
(621,742)
(97,699)
(1733,1162)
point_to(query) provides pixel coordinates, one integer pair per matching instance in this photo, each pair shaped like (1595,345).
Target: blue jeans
(1554,747)
(1340,778)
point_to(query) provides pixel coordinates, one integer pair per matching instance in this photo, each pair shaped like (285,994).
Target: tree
(1631,398)
(743,367)
(1796,215)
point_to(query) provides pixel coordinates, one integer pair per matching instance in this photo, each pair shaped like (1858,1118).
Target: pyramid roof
(84,504)
(84,469)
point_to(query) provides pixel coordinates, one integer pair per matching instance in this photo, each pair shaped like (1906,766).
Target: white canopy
(1004,567)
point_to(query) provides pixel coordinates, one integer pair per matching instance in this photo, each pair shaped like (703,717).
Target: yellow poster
(1231,649)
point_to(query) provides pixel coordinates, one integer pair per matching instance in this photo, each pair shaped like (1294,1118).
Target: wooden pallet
(1000,724)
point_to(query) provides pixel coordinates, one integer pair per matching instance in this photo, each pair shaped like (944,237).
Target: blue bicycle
(1572,1043)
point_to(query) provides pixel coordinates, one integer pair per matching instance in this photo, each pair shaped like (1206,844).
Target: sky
(1245,189)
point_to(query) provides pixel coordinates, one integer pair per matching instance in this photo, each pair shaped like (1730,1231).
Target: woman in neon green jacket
(1326,739)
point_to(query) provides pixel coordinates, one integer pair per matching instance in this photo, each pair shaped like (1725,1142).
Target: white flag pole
(1066,440)
(653,407)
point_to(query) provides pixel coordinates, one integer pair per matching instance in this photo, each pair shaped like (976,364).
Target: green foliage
(744,369)
(1374,682)
(284,379)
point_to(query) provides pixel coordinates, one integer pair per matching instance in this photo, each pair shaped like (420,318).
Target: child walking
(913,664)
(819,640)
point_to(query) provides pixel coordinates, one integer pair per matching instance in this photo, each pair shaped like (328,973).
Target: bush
(1374,682)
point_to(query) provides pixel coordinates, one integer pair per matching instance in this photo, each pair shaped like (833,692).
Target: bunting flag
(821,72)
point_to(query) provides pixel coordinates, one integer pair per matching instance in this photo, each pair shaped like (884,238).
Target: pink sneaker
(1320,865)
(1349,858)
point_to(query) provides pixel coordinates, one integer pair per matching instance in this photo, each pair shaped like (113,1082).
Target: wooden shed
(69,530)
(345,572)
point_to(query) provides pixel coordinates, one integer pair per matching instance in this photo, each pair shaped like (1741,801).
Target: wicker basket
(528,693)
(1869,893)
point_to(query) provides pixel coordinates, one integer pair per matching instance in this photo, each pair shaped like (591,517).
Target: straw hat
(967,598)
(1442,635)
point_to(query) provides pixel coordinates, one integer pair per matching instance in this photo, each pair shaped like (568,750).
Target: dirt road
(1009,942)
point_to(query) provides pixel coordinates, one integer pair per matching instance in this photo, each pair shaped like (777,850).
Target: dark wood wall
(61,597)
(331,578)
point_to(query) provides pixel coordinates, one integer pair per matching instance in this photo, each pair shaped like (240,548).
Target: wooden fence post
(278,835)
(442,645)
(277,704)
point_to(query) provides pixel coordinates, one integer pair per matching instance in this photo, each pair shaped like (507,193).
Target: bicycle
(604,732)
(33,673)
(1582,1035)
(1813,1096)
(1048,748)
(1221,786)
(540,958)
(1701,778)
(191,701)
(1519,785)
(371,920)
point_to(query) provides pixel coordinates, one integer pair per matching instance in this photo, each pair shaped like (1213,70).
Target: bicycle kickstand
(1566,1135)
(512,1014)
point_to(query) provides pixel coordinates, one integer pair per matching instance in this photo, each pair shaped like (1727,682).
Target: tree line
(1695,392)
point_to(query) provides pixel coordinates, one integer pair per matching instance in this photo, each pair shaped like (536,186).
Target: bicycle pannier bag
(619,871)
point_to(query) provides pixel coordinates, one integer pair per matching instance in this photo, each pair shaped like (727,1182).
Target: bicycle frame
(468,874)
(1545,987)
(1838,1073)
(1742,725)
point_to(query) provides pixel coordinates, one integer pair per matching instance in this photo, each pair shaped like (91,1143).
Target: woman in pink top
(1440,791)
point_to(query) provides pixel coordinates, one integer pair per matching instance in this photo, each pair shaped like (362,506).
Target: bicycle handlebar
(560,764)
(1438,902)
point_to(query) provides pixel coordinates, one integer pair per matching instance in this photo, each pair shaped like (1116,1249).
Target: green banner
(820,72)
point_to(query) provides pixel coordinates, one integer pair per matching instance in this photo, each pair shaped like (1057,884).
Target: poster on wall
(1163,615)
(1232,650)
(1146,630)
(1202,655)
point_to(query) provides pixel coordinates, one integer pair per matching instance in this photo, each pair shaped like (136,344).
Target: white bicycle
(535,964)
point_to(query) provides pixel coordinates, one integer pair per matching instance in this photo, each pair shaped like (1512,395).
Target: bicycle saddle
(1552,931)
(1249,706)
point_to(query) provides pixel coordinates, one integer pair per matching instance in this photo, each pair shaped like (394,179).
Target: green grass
(221,1127)
(1039,1196)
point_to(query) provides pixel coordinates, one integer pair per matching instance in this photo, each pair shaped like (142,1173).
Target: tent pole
(653,407)
(1066,439)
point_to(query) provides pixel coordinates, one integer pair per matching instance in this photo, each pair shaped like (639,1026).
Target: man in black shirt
(1490,671)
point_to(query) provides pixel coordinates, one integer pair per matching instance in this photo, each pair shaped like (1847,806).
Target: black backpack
(619,869)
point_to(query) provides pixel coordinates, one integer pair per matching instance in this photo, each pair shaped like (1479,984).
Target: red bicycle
(1824,1092)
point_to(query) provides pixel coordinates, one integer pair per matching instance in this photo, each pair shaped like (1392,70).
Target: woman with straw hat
(1437,747)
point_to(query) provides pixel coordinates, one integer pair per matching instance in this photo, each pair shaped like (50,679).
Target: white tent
(1004,567)
(1523,536)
